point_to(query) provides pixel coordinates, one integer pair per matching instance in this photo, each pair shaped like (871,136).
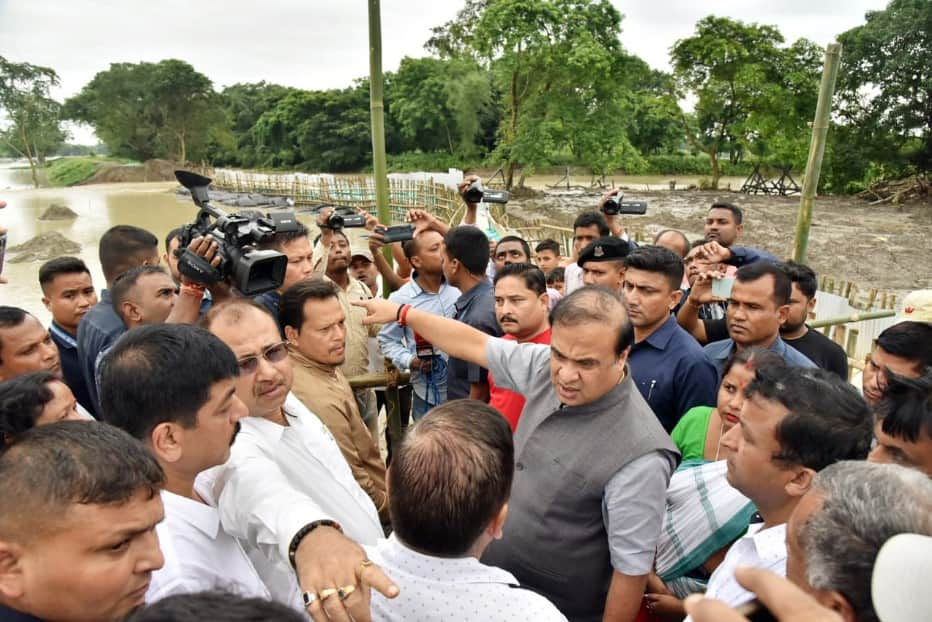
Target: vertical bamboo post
(379,165)
(816,151)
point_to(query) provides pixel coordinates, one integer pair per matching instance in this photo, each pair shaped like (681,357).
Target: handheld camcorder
(344,218)
(249,270)
(475,193)
(617,205)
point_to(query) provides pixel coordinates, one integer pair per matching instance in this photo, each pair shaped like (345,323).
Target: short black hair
(11,317)
(532,276)
(782,287)
(22,400)
(557,275)
(587,219)
(660,260)
(60,265)
(687,245)
(470,246)
(450,477)
(171,235)
(513,238)
(731,207)
(908,340)
(594,303)
(339,232)
(905,411)
(120,249)
(828,419)
(291,305)
(159,373)
(216,605)
(124,283)
(278,241)
(548,245)
(49,468)
(802,275)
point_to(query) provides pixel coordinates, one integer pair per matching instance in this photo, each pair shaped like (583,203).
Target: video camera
(475,193)
(617,205)
(249,270)
(343,218)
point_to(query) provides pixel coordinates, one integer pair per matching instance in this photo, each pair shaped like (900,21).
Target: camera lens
(335,221)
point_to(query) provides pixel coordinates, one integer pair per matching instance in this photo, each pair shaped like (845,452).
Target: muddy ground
(883,246)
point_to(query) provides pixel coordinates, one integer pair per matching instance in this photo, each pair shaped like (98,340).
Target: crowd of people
(627,432)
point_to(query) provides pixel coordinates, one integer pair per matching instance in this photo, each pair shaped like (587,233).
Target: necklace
(721,432)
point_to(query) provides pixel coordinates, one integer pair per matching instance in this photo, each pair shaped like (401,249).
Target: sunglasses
(275,353)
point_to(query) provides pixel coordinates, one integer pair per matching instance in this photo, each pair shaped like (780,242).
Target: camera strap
(196,268)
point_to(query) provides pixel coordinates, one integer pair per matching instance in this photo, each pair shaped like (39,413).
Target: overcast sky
(318,44)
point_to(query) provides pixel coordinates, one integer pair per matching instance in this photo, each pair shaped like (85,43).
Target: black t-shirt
(716,330)
(822,351)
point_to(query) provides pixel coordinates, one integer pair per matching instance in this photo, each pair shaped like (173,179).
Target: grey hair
(863,506)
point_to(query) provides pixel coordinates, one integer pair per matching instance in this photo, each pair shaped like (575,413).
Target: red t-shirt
(509,403)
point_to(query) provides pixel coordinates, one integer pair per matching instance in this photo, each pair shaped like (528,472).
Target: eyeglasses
(275,353)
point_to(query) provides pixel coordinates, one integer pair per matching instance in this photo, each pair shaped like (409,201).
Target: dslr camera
(475,193)
(615,205)
(249,270)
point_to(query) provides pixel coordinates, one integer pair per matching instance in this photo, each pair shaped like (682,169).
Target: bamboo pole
(377,110)
(816,150)
(854,317)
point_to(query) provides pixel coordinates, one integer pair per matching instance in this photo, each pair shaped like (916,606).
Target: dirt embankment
(883,246)
(151,170)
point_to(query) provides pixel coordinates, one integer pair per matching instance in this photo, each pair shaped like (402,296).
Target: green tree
(33,128)
(147,110)
(557,64)
(439,105)
(244,104)
(885,96)
(740,78)
(317,130)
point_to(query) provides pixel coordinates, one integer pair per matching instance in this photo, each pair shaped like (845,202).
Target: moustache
(507,318)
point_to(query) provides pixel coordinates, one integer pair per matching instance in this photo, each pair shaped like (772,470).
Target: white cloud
(324,44)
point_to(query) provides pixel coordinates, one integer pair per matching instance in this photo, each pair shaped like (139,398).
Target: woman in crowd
(704,513)
(37,398)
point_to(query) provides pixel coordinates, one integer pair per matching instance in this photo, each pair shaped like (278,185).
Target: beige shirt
(357,335)
(325,391)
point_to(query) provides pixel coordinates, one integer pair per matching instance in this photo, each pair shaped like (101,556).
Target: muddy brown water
(875,246)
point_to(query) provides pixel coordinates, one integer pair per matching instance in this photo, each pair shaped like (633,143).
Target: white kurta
(280,478)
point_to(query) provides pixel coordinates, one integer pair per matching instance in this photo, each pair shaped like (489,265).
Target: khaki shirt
(357,334)
(326,393)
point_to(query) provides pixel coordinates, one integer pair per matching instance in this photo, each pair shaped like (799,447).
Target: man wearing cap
(603,263)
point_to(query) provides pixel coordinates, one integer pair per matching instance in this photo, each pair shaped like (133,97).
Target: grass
(73,170)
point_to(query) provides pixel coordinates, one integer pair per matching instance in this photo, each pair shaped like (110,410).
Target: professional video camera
(617,205)
(475,193)
(249,270)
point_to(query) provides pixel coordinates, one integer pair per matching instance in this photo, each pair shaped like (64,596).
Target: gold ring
(345,591)
(327,593)
(363,565)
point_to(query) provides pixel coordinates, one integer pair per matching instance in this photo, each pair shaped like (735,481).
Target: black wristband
(296,540)
(398,313)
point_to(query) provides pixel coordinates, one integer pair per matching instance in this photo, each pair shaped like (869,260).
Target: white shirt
(760,548)
(572,278)
(199,555)
(435,589)
(280,478)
